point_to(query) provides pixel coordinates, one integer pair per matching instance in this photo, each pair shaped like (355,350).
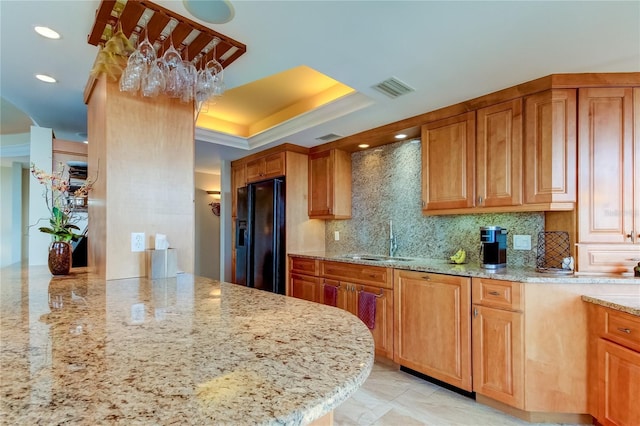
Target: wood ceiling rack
(190,38)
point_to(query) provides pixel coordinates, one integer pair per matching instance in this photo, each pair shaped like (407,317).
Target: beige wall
(207,227)
(144,150)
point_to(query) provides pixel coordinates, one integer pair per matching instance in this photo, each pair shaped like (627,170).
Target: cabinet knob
(475,312)
(630,236)
(480,200)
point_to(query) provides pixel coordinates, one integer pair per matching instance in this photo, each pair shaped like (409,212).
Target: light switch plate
(522,242)
(336,236)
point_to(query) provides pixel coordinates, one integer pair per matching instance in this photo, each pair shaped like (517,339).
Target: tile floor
(395,398)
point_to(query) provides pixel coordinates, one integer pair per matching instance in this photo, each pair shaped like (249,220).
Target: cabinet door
(448,163)
(499,155)
(383,330)
(618,384)
(605,165)
(320,184)
(274,165)
(330,185)
(550,156)
(255,170)
(433,324)
(306,287)
(498,356)
(238,180)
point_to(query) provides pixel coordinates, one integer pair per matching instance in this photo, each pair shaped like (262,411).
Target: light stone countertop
(518,274)
(183,350)
(625,303)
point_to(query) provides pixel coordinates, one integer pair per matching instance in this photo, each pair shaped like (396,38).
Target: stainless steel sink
(376,258)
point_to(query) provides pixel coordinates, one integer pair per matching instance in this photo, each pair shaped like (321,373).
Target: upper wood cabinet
(238,180)
(473,160)
(266,167)
(609,171)
(448,162)
(606,166)
(433,325)
(550,149)
(499,155)
(330,185)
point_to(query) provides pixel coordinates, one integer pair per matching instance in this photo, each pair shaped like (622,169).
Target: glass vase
(60,258)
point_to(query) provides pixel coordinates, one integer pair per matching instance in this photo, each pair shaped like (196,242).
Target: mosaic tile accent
(386,187)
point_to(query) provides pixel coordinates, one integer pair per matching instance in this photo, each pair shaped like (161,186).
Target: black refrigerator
(260,236)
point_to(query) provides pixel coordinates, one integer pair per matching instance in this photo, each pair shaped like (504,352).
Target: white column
(225,221)
(41,153)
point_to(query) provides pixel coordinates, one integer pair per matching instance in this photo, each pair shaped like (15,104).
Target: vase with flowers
(62,204)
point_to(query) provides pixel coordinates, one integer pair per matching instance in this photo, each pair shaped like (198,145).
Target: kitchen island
(182,350)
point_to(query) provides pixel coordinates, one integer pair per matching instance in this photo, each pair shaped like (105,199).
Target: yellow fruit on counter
(459,257)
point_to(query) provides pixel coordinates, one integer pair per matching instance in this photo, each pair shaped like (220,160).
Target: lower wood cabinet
(614,365)
(498,341)
(306,287)
(433,326)
(347,299)
(308,277)
(498,361)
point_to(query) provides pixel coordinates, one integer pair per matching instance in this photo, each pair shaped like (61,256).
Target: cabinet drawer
(615,258)
(303,265)
(622,328)
(497,293)
(355,273)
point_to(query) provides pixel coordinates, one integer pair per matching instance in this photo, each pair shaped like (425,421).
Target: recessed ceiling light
(47,32)
(363,146)
(400,136)
(45,78)
(212,11)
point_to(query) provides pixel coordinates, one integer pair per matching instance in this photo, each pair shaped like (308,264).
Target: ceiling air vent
(393,87)
(328,137)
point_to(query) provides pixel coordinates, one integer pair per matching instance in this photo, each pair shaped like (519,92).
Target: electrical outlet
(336,236)
(137,241)
(522,242)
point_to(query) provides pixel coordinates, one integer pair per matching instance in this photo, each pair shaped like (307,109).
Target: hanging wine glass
(174,71)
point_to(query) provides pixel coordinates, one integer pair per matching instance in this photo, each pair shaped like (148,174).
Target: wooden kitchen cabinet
(267,167)
(306,287)
(498,355)
(448,163)
(498,341)
(308,277)
(499,155)
(347,299)
(550,144)
(303,279)
(238,180)
(473,161)
(608,172)
(614,361)
(330,185)
(352,278)
(433,326)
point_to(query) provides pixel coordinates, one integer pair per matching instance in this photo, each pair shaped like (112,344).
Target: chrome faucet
(393,244)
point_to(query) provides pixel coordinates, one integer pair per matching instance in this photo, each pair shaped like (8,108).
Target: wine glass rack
(194,41)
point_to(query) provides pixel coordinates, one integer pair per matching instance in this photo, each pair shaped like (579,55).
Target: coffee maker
(493,247)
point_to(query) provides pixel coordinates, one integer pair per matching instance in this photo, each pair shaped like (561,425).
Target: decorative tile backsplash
(386,186)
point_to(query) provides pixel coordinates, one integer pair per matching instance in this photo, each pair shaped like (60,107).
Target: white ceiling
(448,51)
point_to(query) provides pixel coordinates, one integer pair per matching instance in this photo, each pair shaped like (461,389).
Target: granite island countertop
(183,350)
(509,273)
(624,303)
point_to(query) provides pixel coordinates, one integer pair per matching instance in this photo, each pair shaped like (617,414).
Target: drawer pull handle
(634,259)
(426,277)
(625,330)
(494,293)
